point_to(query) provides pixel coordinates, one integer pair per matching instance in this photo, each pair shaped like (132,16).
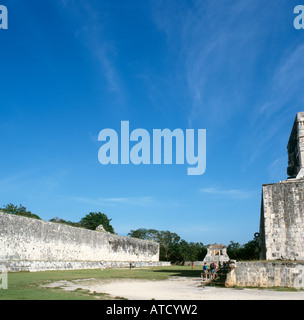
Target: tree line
(177,250)
(172,247)
(91,221)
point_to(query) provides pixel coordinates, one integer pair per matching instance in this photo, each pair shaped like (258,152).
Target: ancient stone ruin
(282,208)
(216,252)
(34,245)
(295,148)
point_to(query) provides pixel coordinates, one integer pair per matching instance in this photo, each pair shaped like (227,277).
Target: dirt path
(175,288)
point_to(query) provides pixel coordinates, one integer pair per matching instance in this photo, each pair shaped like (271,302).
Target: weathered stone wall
(266,274)
(25,239)
(33,266)
(196,263)
(282,220)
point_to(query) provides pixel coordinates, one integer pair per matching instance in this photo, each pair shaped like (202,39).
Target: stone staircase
(218,280)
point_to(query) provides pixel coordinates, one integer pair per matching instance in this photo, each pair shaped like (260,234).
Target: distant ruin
(216,252)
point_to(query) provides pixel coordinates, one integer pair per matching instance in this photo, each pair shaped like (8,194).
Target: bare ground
(176,288)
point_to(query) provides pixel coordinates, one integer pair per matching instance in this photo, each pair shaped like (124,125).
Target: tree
(94,219)
(172,247)
(145,234)
(19,211)
(247,251)
(167,240)
(233,250)
(198,251)
(251,250)
(69,223)
(183,252)
(139,234)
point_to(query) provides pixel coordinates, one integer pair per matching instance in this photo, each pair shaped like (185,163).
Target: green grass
(27,285)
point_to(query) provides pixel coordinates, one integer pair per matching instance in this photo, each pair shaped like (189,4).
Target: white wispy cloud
(90,31)
(285,83)
(215,50)
(234,193)
(137,201)
(141,201)
(273,115)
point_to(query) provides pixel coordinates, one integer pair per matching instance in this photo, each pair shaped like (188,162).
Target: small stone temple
(216,252)
(282,207)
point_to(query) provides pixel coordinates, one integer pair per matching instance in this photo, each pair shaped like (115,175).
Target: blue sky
(72,68)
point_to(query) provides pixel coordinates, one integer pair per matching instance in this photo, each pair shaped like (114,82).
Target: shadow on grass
(181,272)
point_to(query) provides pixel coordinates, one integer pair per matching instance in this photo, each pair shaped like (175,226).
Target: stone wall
(196,263)
(282,220)
(24,239)
(266,274)
(33,266)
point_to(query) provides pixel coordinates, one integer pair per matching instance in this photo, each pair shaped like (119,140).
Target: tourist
(205,271)
(213,269)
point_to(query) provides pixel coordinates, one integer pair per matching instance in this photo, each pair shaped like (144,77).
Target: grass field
(27,285)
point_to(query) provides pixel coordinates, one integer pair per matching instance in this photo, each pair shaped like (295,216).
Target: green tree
(145,234)
(20,211)
(233,250)
(198,251)
(247,251)
(172,247)
(167,240)
(139,234)
(94,219)
(251,250)
(69,223)
(184,251)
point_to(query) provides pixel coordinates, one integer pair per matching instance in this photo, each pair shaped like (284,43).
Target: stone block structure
(282,207)
(30,244)
(216,252)
(266,274)
(282,221)
(295,148)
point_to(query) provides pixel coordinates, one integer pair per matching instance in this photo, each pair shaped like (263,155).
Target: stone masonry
(216,252)
(25,242)
(295,148)
(266,274)
(282,207)
(282,221)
